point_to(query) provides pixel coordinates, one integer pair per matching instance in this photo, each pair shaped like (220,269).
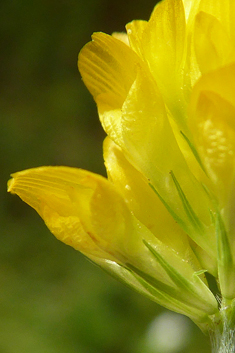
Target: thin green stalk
(223,335)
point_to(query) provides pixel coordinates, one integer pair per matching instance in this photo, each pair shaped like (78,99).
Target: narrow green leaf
(212,197)
(155,282)
(199,273)
(195,221)
(176,277)
(195,152)
(169,209)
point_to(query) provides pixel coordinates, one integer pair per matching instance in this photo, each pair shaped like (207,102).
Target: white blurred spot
(168,333)
(128,187)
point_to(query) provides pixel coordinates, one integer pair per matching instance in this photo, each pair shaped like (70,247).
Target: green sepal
(124,275)
(167,296)
(169,209)
(148,286)
(191,291)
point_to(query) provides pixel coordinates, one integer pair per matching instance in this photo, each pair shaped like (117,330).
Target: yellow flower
(165,98)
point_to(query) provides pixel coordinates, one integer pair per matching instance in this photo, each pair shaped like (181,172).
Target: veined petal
(73,204)
(84,210)
(108,69)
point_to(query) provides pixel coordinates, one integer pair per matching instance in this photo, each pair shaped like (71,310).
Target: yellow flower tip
(73,204)
(123,37)
(10,185)
(14,184)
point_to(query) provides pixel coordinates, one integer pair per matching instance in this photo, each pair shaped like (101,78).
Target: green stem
(223,334)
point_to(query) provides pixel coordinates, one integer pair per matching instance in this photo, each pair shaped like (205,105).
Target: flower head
(164,217)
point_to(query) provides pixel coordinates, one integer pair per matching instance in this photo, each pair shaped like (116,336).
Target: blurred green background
(53,300)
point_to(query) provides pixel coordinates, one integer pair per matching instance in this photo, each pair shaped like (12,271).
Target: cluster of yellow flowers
(164,216)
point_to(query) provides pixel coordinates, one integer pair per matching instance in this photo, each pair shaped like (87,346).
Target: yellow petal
(212,112)
(144,203)
(150,145)
(73,204)
(212,45)
(224,11)
(191,9)
(108,69)
(164,44)
(85,211)
(135,31)
(166,30)
(220,82)
(215,137)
